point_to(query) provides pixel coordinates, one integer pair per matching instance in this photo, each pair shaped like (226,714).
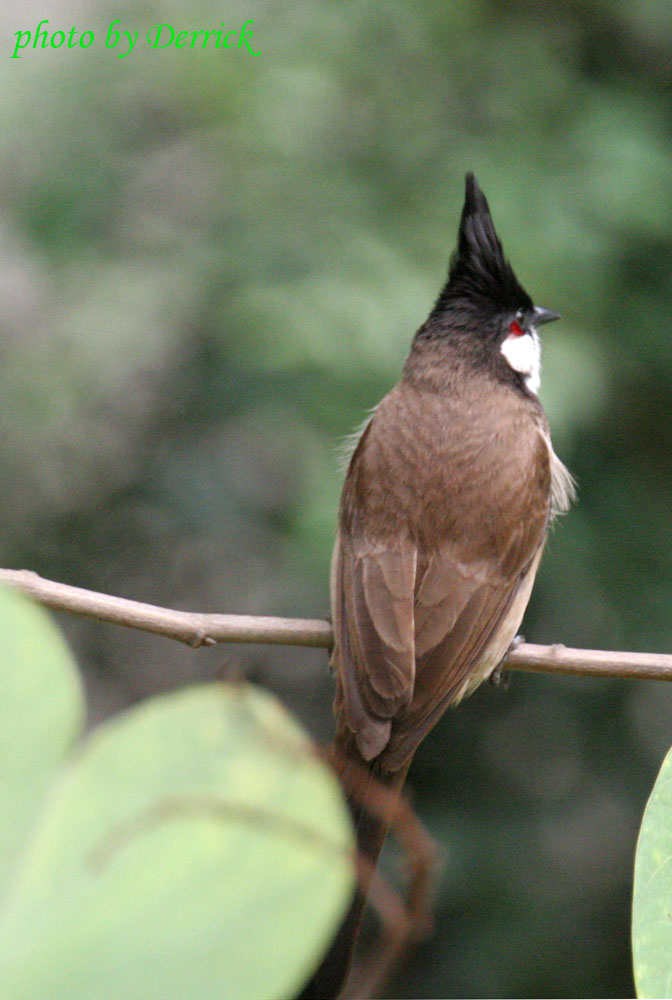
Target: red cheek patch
(516,330)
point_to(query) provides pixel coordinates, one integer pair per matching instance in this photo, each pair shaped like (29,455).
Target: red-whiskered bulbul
(443,517)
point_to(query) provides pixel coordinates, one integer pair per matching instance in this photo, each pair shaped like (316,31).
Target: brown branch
(196,629)
(192,628)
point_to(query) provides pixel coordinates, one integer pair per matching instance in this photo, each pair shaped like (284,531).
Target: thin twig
(192,628)
(402,925)
(196,629)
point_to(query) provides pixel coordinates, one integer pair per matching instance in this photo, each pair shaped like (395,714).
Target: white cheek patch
(524,356)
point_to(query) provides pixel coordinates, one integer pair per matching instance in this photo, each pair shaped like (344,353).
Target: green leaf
(195,848)
(41,712)
(652,902)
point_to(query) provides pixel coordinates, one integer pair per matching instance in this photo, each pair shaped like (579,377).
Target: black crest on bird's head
(480,277)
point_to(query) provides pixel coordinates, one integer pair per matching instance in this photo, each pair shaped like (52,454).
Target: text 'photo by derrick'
(159,36)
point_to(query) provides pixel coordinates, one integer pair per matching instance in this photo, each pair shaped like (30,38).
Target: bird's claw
(499,675)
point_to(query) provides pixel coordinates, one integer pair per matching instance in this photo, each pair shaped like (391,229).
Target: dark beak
(541,315)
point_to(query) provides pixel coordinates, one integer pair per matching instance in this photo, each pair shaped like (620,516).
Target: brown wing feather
(445,586)
(448,618)
(480,637)
(375,646)
(428,595)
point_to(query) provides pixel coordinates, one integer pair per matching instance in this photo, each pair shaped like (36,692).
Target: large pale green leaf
(41,710)
(652,902)
(195,848)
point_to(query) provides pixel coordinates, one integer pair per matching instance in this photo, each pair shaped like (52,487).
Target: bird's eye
(516,328)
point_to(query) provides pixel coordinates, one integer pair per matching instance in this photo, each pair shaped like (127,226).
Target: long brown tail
(358,779)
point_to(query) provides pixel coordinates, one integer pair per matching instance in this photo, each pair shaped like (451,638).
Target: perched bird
(443,517)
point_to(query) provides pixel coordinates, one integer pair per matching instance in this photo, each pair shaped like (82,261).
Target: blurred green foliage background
(212,264)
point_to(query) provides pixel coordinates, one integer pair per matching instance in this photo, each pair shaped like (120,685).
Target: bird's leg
(330,649)
(499,675)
